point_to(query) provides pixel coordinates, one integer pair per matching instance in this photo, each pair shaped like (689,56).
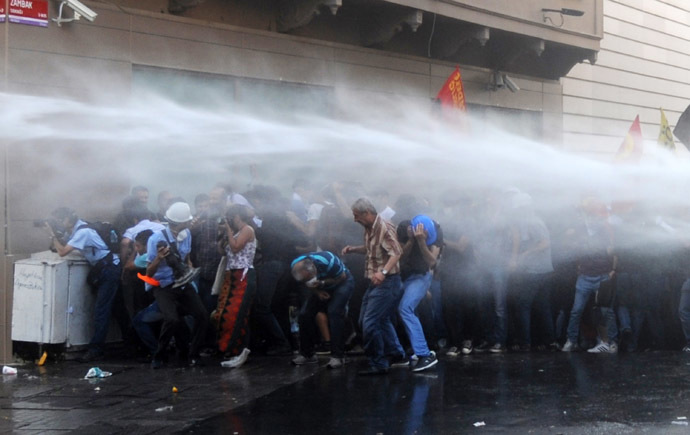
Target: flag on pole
(682,130)
(452,94)
(665,133)
(633,144)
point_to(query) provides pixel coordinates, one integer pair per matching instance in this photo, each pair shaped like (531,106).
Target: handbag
(220,276)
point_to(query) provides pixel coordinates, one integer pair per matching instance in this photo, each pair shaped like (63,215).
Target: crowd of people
(338,269)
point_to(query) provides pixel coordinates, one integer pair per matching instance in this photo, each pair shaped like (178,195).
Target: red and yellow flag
(632,147)
(452,94)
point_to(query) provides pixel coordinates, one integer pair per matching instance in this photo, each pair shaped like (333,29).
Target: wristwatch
(384,272)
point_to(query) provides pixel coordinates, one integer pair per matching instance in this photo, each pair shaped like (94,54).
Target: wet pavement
(517,393)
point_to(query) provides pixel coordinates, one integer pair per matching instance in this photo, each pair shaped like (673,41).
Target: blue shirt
(164,273)
(327,264)
(89,243)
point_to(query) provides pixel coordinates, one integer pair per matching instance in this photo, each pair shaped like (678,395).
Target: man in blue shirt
(104,275)
(175,240)
(422,241)
(332,285)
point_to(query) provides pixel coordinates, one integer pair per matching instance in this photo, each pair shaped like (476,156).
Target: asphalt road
(517,393)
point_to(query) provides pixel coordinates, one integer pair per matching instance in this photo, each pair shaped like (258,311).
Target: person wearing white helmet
(168,252)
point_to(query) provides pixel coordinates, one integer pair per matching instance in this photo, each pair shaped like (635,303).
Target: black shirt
(414,263)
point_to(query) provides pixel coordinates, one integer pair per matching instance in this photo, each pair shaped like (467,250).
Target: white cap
(179,213)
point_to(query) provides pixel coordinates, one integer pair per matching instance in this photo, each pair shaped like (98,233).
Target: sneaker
(497,348)
(237,361)
(453,351)
(335,363)
(425,363)
(467,347)
(324,348)
(357,350)
(553,347)
(483,347)
(686,349)
(569,346)
(400,361)
(208,352)
(302,360)
(601,348)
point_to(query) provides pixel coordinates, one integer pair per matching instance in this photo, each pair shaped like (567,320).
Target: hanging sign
(31,12)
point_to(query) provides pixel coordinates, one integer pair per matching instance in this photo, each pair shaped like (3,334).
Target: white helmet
(179,213)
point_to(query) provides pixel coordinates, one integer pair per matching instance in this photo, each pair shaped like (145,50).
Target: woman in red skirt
(231,316)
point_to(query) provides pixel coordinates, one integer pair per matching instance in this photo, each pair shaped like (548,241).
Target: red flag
(452,94)
(632,146)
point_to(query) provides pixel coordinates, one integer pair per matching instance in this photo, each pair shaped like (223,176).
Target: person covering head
(429,227)
(303,269)
(179,213)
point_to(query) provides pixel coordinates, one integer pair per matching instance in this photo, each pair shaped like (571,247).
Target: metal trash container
(52,302)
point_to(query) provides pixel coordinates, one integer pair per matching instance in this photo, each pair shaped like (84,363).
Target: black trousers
(174,304)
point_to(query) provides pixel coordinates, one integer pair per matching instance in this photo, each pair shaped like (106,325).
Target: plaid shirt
(205,248)
(381,242)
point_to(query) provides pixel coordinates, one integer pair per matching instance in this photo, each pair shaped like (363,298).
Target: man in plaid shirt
(382,252)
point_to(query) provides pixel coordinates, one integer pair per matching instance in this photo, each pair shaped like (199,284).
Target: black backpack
(107,232)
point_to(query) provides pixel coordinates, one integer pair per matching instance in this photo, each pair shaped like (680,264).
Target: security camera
(497,80)
(510,84)
(80,10)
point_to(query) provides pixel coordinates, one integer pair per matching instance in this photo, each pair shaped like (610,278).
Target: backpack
(107,232)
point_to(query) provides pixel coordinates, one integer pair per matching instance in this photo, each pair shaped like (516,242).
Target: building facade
(643,65)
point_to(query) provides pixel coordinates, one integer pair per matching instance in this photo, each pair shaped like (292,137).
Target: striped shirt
(381,242)
(328,265)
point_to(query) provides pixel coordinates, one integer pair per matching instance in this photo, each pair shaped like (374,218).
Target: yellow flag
(665,133)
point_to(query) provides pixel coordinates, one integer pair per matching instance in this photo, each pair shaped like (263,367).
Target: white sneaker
(453,351)
(335,363)
(601,348)
(569,346)
(613,347)
(467,347)
(301,360)
(237,361)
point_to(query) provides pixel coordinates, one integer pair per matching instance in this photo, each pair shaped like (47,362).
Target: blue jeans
(585,287)
(415,288)
(108,286)
(336,308)
(493,287)
(639,302)
(141,324)
(533,296)
(378,306)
